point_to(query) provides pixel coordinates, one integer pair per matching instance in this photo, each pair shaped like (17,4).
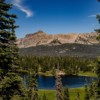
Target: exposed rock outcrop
(41,38)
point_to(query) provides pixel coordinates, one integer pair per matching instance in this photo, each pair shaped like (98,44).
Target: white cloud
(18,4)
(92,15)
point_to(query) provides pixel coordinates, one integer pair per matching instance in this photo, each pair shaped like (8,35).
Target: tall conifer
(97,90)
(10,81)
(66,94)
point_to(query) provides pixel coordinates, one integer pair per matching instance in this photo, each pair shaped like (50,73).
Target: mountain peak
(41,38)
(36,33)
(40,32)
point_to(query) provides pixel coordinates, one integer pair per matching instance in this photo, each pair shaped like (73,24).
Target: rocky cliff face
(41,38)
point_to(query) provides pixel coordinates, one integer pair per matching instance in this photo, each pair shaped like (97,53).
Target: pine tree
(59,87)
(10,81)
(33,72)
(78,96)
(91,91)
(98,67)
(66,94)
(86,93)
(97,84)
(97,89)
(44,97)
(33,91)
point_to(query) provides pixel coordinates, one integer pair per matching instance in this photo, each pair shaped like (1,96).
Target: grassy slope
(91,74)
(51,94)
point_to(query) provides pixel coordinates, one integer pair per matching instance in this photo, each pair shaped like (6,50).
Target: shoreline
(61,73)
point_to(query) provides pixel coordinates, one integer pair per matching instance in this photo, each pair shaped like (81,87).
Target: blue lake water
(48,82)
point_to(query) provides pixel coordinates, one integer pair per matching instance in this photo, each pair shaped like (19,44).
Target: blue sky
(55,16)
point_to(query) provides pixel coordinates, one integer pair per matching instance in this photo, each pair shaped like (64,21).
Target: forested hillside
(80,50)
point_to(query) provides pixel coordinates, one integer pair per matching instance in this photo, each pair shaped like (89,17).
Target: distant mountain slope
(81,50)
(41,38)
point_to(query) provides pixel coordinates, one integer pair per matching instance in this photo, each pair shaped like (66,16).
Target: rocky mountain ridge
(42,38)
